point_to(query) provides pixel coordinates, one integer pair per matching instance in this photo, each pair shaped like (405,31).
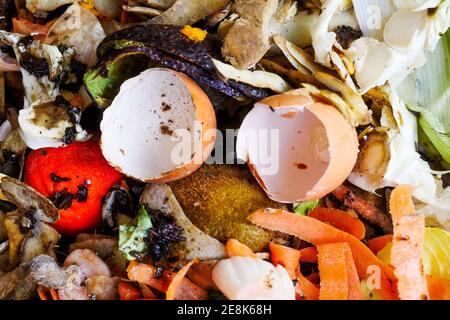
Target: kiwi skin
(219,198)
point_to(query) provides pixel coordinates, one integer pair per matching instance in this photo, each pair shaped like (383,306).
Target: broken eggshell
(159,128)
(298,149)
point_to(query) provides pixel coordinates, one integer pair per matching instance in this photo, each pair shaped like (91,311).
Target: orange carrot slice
(305,289)
(201,274)
(147,293)
(377,244)
(47,294)
(42,293)
(235,248)
(319,233)
(340,220)
(338,276)
(400,203)
(438,288)
(407,245)
(308,255)
(146,274)
(287,257)
(354,286)
(171,293)
(128,291)
(314,278)
(54,294)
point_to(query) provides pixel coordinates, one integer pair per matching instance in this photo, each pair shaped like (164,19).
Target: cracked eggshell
(298,149)
(159,128)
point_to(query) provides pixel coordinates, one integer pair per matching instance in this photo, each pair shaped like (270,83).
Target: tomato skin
(81,162)
(128,291)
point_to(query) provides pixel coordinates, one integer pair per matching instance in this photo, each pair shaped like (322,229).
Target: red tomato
(52,171)
(128,291)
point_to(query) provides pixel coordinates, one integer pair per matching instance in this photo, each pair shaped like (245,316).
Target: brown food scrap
(364,208)
(345,35)
(188,12)
(248,39)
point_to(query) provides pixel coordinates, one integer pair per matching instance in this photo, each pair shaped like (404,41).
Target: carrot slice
(171,293)
(201,274)
(54,294)
(319,233)
(400,203)
(377,244)
(147,293)
(42,293)
(305,289)
(287,257)
(235,248)
(354,285)
(128,291)
(340,220)
(407,245)
(146,274)
(314,278)
(338,275)
(309,255)
(438,288)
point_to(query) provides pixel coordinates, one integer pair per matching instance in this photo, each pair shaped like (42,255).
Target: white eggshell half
(297,149)
(153,129)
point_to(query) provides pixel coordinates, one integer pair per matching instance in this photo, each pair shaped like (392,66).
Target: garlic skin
(243,278)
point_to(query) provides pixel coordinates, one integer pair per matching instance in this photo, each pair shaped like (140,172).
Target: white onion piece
(45,5)
(406,30)
(259,79)
(243,278)
(322,39)
(372,15)
(416,4)
(298,29)
(78,28)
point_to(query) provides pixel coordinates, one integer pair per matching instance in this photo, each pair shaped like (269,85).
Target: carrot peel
(377,244)
(235,248)
(305,289)
(319,233)
(407,245)
(171,293)
(340,220)
(339,278)
(285,256)
(309,255)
